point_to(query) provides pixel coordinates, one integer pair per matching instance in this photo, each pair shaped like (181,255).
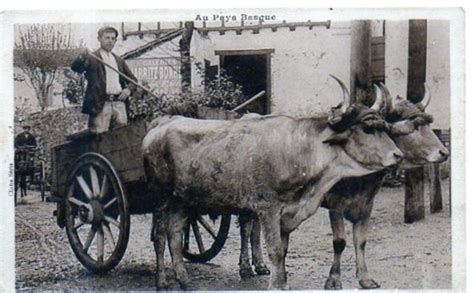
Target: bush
(221,93)
(74,86)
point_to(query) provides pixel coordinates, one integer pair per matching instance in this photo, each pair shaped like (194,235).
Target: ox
(276,167)
(353,198)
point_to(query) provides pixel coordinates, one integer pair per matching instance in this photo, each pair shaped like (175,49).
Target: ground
(403,256)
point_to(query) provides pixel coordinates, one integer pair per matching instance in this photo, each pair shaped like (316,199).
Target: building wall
(300,65)
(437,66)
(303,60)
(438,72)
(159,67)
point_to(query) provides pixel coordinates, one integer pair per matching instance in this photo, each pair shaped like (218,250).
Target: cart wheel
(208,236)
(96,212)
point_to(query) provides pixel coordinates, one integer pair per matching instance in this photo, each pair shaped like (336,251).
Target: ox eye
(368,130)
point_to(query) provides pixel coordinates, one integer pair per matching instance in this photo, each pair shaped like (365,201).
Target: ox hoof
(246,273)
(282,287)
(262,270)
(161,285)
(184,286)
(333,284)
(369,284)
(182,278)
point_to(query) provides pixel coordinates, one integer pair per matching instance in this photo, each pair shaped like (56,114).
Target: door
(252,72)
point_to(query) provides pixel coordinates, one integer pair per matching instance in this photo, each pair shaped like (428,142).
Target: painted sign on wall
(162,74)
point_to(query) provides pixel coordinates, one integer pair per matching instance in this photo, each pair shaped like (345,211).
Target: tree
(41,51)
(22,109)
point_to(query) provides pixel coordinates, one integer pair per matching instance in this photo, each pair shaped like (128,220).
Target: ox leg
(245,270)
(339,243)
(276,250)
(257,255)
(360,229)
(158,236)
(175,236)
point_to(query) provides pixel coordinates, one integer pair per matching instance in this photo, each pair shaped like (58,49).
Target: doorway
(251,70)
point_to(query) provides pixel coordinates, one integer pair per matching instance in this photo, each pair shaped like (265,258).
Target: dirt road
(399,255)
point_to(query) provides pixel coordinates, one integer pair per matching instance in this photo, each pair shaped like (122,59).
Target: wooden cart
(98,181)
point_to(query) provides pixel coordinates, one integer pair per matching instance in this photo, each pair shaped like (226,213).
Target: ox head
(410,129)
(361,132)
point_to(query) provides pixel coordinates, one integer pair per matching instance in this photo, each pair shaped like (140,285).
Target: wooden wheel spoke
(206,226)
(78,225)
(108,235)
(197,235)
(111,202)
(89,239)
(85,188)
(78,202)
(105,187)
(100,246)
(94,182)
(112,221)
(186,237)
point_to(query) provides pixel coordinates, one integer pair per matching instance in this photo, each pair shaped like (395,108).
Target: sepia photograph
(244,149)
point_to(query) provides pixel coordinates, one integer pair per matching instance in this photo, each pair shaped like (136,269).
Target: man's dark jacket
(94,99)
(25,139)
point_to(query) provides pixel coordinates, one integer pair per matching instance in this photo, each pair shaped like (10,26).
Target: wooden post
(184,47)
(417,38)
(436,199)
(360,58)
(414,195)
(124,37)
(414,178)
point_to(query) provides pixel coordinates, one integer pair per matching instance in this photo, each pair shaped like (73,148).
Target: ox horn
(379,99)
(388,98)
(346,97)
(427,98)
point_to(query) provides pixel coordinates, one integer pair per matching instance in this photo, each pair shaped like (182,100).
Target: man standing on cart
(107,90)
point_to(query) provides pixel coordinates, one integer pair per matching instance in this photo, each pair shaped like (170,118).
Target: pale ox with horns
(276,167)
(352,198)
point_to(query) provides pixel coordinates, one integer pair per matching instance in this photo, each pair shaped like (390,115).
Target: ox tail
(149,172)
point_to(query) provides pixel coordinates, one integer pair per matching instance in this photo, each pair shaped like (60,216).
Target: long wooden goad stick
(122,75)
(150,92)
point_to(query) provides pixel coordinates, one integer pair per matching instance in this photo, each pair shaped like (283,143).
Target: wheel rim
(204,236)
(97,219)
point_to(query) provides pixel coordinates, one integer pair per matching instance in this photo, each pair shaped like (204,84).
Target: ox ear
(338,138)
